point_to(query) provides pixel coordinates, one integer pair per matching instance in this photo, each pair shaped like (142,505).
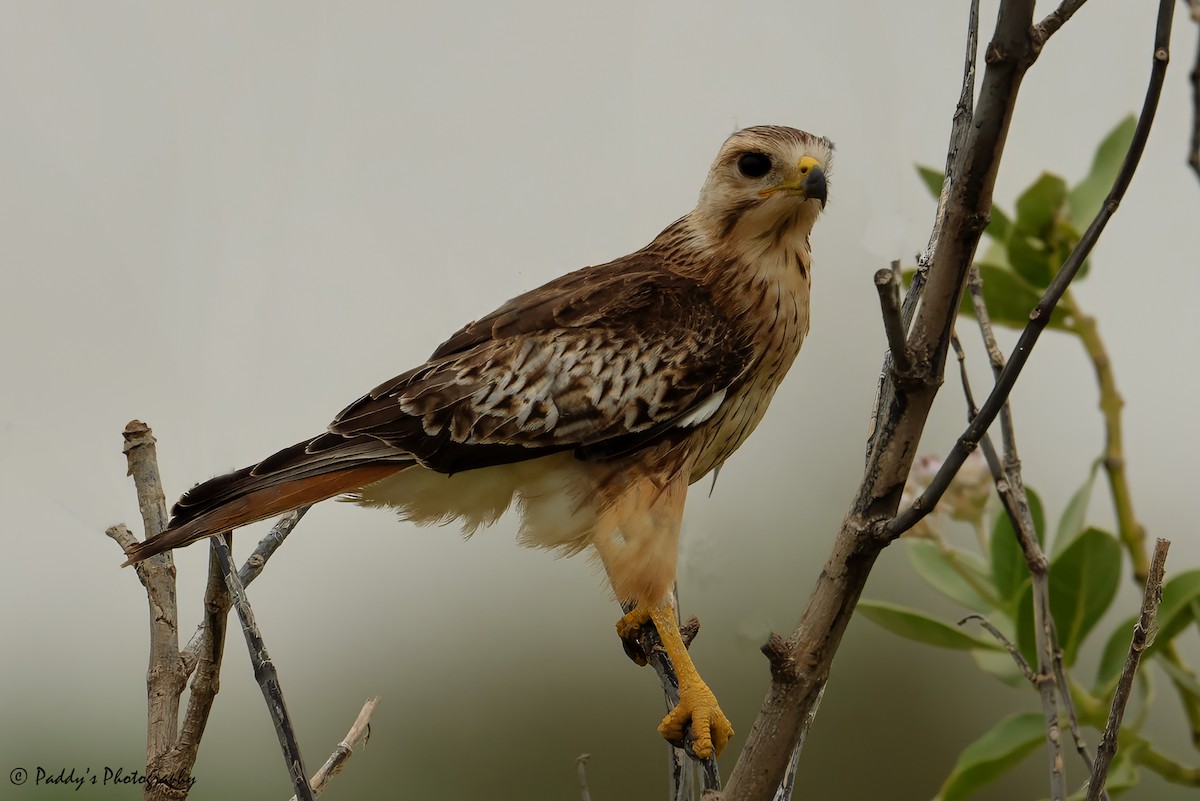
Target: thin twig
(1051,673)
(1056,19)
(206,661)
(1143,635)
(581,763)
(264,672)
(269,544)
(997,469)
(887,283)
(1009,645)
(1040,316)
(1010,486)
(680,758)
(1016,505)
(995,355)
(960,133)
(359,732)
(1064,692)
(249,571)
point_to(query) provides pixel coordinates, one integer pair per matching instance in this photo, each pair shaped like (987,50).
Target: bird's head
(767,185)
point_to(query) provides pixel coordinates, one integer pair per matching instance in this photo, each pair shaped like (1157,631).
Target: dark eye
(754,165)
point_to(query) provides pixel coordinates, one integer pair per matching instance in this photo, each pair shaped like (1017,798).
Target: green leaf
(1112,658)
(1083,581)
(1040,206)
(1066,237)
(933,179)
(996,255)
(1032,259)
(960,576)
(1088,196)
(1009,573)
(1009,299)
(1176,612)
(1001,665)
(1183,679)
(1071,523)
(914,625)
(1000,226)
(997,751)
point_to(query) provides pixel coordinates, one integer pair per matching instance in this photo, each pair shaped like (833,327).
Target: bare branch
(360,732)
(887,283)
(171,753)
(960,131)
(142,458)
(995,355)
(1064,692)
(249,571)
(206,683)
(901,412)
(264,672)
(581,763)
(1056,19)
(1011,488)
(269,544)
(1060,674)
(1040,316)
(1008,644)
(784,793)
(682,759)
(165,678)
(1143,635)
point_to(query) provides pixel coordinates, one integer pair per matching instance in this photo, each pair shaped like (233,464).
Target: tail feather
(294,477)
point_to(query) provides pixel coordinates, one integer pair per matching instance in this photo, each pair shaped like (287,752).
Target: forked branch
(901,411)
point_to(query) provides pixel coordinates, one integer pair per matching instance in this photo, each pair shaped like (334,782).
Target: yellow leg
(697,705)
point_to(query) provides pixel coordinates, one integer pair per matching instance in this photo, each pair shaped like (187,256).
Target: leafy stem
(1131,533)
(1144,754)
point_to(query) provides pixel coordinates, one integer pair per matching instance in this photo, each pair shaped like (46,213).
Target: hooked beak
(808,182)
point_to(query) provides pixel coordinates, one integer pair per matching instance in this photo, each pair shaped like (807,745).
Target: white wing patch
(704,411)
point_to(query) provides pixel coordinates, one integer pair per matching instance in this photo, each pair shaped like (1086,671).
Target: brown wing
(600,361)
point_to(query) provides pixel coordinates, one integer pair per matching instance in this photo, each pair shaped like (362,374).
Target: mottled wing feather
(601,361)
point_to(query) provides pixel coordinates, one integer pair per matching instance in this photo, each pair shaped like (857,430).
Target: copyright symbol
(18,776)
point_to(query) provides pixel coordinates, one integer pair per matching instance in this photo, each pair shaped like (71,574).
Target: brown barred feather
(590,402)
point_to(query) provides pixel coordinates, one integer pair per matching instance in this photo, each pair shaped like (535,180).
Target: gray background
(229,220)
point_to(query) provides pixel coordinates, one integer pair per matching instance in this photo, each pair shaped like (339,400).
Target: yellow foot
(629,629)
(697,705)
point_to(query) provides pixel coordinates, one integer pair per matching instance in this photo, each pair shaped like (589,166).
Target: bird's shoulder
(606,357)
(636,290)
